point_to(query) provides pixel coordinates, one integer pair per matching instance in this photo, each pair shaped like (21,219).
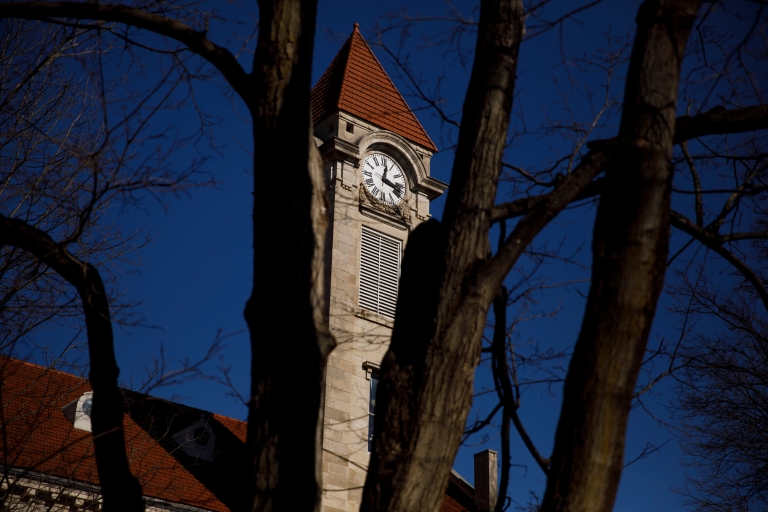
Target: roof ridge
(217,415)
(345,72)
(21,362)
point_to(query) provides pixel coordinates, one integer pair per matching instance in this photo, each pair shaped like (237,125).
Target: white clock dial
(383,178)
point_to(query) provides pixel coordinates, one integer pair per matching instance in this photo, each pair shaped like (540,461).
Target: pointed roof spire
(356,82)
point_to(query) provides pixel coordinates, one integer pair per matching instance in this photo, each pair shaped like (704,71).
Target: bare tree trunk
(629,261)
(120,489)
(286,313)
(426,383)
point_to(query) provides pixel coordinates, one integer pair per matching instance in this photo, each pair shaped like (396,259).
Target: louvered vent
(379,272)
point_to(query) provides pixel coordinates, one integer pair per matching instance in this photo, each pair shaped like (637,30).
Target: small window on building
(379,272)
(372,408)
(350,128)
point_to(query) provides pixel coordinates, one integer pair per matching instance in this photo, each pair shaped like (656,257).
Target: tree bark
(286,313)
(427,376)
(120,489)
(629,247)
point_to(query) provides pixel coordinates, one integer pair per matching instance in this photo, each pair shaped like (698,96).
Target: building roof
(458,497)
(37,437)
(355,82)
(42,440)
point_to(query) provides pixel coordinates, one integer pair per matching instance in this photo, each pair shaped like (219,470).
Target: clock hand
(385,180)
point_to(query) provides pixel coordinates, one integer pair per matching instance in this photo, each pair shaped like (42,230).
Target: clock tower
(376,160)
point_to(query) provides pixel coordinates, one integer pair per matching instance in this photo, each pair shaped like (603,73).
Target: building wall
(362,336)
(34,492)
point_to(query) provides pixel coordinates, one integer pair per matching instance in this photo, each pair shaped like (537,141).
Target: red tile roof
(458,497)
(356,83)
(42,440)
(451,505)
(39,438)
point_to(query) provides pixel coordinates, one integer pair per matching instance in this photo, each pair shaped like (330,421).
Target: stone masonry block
(346,229)
(333,435)
(351,357)
(336,459)
(342,384)
(338,469)
(336,480)
(344,396)
(347,325)
(352,440)
(345,296)
(345,277)
(337,373)
(355,475)
(355,496)
(336,414)
(347,240)
(345,257)
(341,265)
(346,366)
(336,499)
(334,403)
(337,448)
(360,402)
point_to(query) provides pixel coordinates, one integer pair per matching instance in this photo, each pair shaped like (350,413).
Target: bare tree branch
(713,241)
(196,41)
(720,121)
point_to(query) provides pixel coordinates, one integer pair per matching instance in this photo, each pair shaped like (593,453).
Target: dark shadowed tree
(723,406)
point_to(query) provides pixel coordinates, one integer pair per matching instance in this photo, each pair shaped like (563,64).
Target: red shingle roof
(356,83)
(41,439)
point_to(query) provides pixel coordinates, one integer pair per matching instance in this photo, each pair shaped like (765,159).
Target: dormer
(79,411)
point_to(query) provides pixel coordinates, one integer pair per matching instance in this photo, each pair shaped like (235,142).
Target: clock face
(383,178)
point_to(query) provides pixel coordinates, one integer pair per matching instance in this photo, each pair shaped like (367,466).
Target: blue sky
(195,276)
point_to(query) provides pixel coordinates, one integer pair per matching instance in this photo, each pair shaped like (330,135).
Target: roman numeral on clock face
(369,182)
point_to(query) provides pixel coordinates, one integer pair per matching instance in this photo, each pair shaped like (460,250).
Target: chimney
(486,484)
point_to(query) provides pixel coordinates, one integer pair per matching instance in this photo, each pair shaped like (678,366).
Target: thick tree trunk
(285,313)
(629,261)
(427,375)
(120,489)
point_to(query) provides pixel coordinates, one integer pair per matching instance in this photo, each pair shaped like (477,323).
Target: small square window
(350,128)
